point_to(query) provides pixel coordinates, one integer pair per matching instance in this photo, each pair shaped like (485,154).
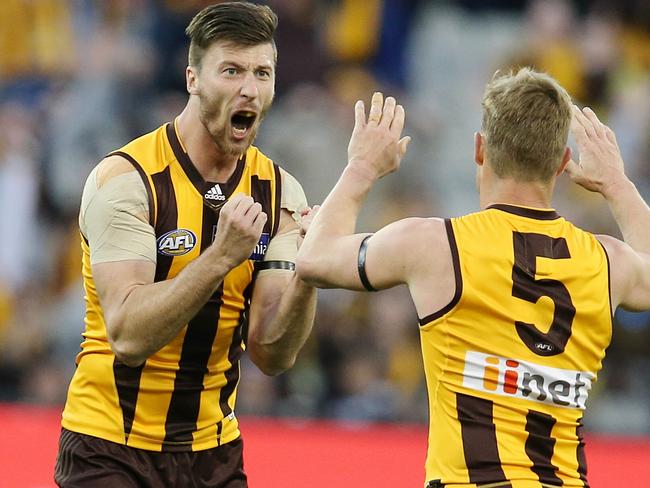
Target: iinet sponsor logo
(520,379)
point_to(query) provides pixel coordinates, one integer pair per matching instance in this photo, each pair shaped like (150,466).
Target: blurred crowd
(79,78)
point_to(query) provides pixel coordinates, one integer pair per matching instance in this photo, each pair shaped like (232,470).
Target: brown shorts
(86,461)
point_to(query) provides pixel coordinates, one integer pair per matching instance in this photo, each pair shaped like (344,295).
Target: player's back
(510,363)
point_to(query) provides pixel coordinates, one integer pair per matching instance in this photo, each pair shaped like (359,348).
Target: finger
(254,210)
(586,124)
(397,124)
(244,204)
(376,105)
(258,223)
(577,129)
(389,112)
(230,205)
(359,114)
(403,145)
(573,169)
(599,127)
(611,136)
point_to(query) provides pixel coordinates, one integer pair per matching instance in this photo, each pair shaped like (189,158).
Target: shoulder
(111,167)
(114,182)
(624,265)
(615,248)
(623,260)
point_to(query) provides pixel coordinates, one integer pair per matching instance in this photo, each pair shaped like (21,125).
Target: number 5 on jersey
(527,247)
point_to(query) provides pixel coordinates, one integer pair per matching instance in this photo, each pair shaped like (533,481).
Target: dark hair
(241,23)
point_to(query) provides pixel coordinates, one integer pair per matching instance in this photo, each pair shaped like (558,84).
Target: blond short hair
(526,117)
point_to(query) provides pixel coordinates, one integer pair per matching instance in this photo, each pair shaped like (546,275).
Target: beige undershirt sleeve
(284,247)
(114,216)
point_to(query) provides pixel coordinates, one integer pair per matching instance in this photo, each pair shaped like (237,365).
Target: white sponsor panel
(529,381)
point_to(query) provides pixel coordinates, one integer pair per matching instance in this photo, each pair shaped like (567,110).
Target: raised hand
(600,164)
(240,225)
(377,146)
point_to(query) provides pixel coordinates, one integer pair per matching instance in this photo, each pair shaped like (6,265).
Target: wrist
(617,187)
(361,171)
(219,264)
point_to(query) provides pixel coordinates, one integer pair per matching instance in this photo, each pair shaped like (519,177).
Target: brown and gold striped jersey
(510,361)
(183,397)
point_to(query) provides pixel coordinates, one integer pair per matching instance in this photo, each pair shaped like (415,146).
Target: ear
(192,80)
(479,148)
(566,157)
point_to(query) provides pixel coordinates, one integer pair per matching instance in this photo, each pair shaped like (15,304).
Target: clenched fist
(240,225)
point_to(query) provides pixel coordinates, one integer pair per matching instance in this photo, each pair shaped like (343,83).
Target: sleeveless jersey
(183,397)
(510,361)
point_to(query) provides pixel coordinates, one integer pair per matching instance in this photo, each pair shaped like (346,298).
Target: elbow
(127,355)
(126,352)
(307,270)
(271,364)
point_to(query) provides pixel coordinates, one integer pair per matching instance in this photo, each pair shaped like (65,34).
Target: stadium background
(79,78)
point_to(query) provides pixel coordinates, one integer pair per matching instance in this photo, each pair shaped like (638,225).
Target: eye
(262,73)
(230,71)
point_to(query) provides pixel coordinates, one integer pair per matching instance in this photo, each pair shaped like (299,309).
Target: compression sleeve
(283,248)
(113,218)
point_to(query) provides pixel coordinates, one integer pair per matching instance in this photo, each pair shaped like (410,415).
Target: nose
(249,87)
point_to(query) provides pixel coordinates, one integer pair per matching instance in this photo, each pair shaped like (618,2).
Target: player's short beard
(221,139)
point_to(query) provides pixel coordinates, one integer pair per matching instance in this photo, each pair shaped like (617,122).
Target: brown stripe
(235,352)
(184,159)
(531,213)
(278,200)
(457,276)
(219,430)
(145,180)
(193,363)
(539,446)
(479,439)
(580,454)
(167,217)
(261,193)
(127,383)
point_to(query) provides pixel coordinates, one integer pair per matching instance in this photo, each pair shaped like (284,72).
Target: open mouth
(241,122)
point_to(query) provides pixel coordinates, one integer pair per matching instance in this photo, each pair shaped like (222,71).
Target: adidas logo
(215,193)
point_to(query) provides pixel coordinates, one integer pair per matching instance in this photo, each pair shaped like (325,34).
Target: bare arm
(328,256)
(601,169)
(142,316)
(281,315)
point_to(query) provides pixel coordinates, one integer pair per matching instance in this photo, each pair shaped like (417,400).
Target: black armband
(262,265)
(361,264)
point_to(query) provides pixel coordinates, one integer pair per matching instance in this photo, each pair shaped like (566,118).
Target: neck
(210,161)
(509,191)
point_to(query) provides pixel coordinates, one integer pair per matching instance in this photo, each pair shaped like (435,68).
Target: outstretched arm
(329,254)
(600,169)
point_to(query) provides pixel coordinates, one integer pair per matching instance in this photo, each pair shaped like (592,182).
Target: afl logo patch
(176,242)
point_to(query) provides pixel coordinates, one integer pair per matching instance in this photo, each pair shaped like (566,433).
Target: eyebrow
(242,66)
